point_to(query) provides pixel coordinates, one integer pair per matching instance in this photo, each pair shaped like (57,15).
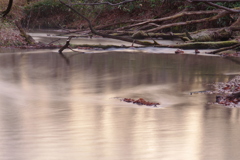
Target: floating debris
(139,101)
(237,54)
(179,51)
(228,87)
(228,93)
(197,51)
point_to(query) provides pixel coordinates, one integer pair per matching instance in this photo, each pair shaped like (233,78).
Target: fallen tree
(135,31)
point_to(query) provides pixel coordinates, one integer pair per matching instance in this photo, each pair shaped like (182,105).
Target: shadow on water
(53,110)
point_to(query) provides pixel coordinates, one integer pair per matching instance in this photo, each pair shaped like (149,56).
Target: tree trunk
(214,34)
(28,39)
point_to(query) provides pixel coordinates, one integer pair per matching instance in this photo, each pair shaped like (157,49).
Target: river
(50,110)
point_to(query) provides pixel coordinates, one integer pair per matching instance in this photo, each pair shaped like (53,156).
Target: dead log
(207,35)
(205,45)
(66,45)
(66,59)
(143,35)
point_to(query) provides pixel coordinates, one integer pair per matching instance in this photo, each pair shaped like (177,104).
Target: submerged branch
(66,44)
(64,47)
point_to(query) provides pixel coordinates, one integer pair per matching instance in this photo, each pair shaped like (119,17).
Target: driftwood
(65,47)
(214,34)
(144,35)
(66,44)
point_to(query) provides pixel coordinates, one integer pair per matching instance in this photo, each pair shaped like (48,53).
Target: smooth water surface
(53,111)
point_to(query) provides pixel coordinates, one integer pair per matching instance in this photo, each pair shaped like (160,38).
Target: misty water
(50,110)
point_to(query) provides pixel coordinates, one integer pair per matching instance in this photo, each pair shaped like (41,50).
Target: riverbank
(98,44)
(10,35)
(52,14)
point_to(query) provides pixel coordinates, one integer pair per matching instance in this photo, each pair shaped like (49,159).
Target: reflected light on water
(51,111)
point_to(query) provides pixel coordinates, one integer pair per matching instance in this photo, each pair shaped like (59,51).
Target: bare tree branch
(101,3)
(222,7)
(218,6)
(102,34)
(4,13)
(181,14)
(214,15)
(219,15)
(66,45)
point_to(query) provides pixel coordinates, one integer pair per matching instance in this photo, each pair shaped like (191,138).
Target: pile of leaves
(229,92)
(10,36)
(140,101)
(237,54)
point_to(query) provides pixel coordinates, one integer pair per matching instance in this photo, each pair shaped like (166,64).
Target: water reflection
(54,111)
